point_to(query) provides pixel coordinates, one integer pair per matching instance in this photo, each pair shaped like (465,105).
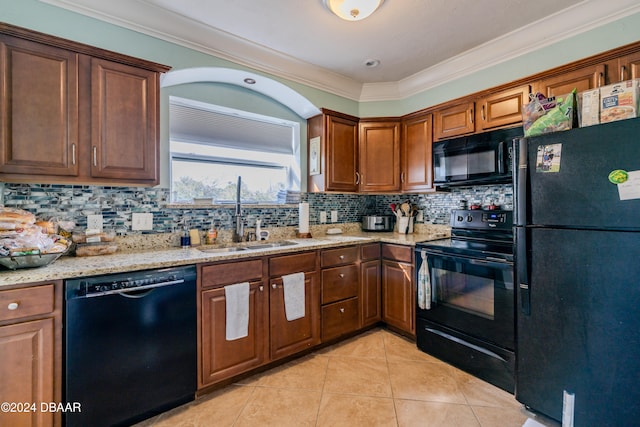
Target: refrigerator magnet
(618,176)
(548,158)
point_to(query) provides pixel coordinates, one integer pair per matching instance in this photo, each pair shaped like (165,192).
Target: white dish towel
(293,285)
(237,310)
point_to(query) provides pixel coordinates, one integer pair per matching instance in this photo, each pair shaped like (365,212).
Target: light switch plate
(334,216)
(94,222)
(323,217)
(142,221)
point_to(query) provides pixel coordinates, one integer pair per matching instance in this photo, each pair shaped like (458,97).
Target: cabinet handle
(342,275)
(73,154)
(261,288)
(622,70)
(402,177)
(484,119)
(95,156)
(471,116)
(357,178)
(600,76)
(274,286)
(342,310)
(13,306)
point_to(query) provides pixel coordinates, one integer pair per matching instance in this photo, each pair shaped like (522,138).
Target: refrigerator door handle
(520,182)
(522,264)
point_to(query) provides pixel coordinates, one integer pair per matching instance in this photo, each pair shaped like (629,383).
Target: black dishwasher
(130,345)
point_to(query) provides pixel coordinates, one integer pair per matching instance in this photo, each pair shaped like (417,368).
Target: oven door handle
(489,260)
(466,344)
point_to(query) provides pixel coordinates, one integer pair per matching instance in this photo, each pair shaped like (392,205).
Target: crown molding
(147,18)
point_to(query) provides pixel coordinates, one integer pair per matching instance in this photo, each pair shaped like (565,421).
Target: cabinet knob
(342,275)
(261,288)
(342,310)
(274,286)
(341,256)
(13,306)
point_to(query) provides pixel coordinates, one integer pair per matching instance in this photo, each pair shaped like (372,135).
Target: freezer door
(569,174)
(583,331)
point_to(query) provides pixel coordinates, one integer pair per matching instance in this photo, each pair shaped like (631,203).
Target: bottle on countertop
(185,240)
(212,235)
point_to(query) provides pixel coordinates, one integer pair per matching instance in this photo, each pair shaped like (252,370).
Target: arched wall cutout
(264,85)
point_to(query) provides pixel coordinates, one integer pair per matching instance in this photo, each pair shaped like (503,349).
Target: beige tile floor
(375,379)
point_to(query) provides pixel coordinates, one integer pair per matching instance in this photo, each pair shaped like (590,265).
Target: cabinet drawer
(18,303)
(230,273)
(288,264)
(339,256)
(398,252)
(339,283)
(339,318)
(370,251)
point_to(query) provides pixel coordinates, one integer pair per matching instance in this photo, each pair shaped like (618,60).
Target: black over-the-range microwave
(483,158)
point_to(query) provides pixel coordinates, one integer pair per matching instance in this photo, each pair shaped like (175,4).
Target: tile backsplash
(116,204)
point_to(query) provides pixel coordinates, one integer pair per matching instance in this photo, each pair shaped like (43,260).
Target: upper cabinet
(379,153)
(417,154)
(74,113)
(627,67)
(502,108)
(582,79)
(333,152)
(456,120)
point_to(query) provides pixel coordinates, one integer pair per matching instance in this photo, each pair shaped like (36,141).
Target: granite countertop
(131,259)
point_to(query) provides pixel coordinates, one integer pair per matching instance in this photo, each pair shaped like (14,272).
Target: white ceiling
(420,43)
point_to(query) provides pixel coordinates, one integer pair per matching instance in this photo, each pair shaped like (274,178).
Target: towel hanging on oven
(424,284)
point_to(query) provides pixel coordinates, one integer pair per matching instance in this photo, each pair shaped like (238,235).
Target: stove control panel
(479,219)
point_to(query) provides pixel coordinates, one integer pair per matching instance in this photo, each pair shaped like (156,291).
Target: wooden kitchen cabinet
(502,108)
(31,352)
(75,113)
(398,293)
(340,281)
(337,153)
(626,68)
(416,153)
(290,337)
(379,154)
(219,358)
(370,285)
(582,79)
(456,120)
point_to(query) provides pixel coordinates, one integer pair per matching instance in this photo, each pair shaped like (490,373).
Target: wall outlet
(142,221)
(334,216)
(323,217)
(94,222)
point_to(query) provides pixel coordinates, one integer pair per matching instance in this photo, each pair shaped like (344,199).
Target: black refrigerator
(577,231)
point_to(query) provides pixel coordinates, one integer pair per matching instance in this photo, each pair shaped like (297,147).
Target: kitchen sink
(223,250)
(266,245)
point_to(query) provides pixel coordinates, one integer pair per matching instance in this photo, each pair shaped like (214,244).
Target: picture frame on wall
(314,156)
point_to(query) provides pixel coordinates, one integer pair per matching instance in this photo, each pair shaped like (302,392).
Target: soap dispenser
(260,233)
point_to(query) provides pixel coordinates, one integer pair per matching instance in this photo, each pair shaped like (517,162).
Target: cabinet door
(581,80)
(124,110)
(223,359)
(628,68)
(454,121)
(370,310)
(416,154)
(27,371)
(289,337)
(502,108)
(398,306)
(379,156)
(342,154)
(39,109)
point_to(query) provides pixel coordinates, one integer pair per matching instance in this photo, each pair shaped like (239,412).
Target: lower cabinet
(398,291)
(370,294)
(30,354)
(340,291)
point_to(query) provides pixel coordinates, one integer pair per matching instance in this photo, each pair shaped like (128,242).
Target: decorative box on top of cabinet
(75,113)
(31,352)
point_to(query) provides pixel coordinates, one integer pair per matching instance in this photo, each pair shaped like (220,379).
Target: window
(210,146)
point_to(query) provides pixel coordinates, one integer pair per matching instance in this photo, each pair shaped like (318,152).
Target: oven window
(468,287)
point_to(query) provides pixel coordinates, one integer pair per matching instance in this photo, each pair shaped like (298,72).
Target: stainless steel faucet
(238,232)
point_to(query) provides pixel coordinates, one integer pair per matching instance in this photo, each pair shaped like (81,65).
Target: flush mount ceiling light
(353,10)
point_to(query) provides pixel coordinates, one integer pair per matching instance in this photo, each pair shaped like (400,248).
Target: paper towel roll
(303,221)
